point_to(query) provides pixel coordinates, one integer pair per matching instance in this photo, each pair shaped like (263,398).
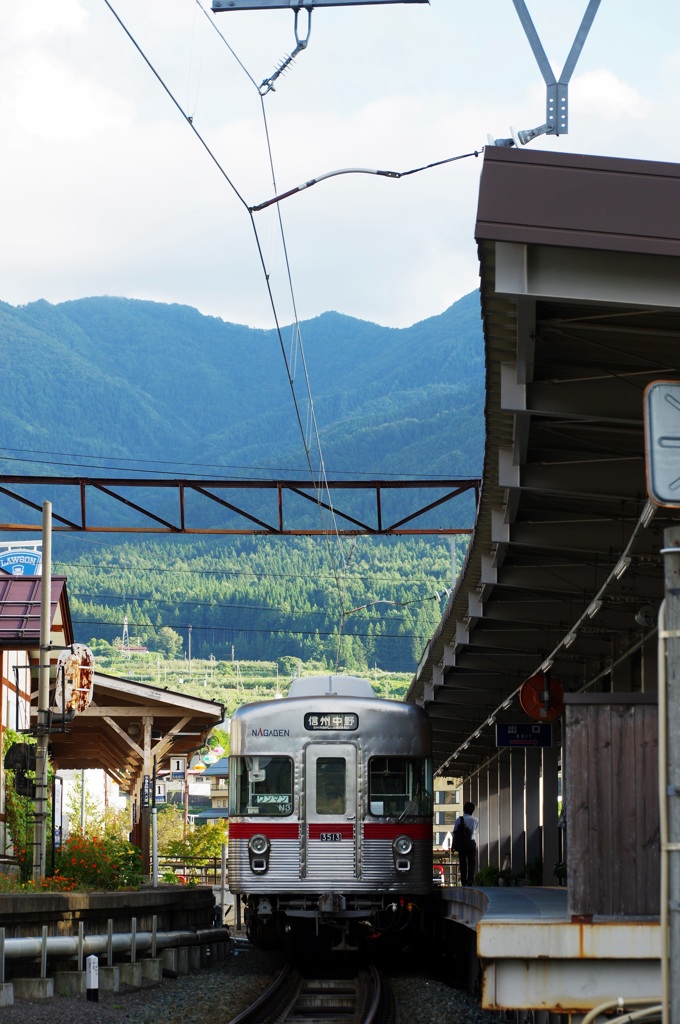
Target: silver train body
(330,819)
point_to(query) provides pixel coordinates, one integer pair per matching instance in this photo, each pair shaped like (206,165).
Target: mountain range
(110,382)
(120,387)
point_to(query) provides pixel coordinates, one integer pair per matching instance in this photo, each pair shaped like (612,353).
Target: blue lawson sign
(524,734)
(21,558)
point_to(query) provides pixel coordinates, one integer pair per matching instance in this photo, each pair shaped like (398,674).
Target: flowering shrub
(97,863)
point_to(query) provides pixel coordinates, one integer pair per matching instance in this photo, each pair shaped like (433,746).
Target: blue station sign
(524,734)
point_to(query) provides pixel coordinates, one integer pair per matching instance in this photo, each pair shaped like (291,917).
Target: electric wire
(226,177)
(246,631)
(175,102)
(339,579)
(231,51)
(258,243)
(360,170)
(371,474)
(393,580)
(264,88)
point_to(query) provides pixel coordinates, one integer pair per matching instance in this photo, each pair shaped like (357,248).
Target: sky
(106,189)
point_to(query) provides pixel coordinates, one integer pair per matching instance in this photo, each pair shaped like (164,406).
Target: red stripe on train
(271,829)
(390,830)
(344,829)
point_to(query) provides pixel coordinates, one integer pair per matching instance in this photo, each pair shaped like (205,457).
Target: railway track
(314,997)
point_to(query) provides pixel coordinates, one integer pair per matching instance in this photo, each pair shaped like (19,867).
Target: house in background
(218,774)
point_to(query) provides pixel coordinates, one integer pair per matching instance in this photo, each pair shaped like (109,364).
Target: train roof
(331,686)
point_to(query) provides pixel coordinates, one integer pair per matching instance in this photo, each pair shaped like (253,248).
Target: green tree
(204,841)
(168,642)
(170,827)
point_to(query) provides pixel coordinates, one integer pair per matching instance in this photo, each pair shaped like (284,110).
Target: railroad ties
(323,997)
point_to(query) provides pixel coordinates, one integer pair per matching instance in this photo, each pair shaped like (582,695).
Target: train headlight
(403,845)
(401,849)
(258,853)
(258,844)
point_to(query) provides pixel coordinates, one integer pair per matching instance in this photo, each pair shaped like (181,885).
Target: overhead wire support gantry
(208,494)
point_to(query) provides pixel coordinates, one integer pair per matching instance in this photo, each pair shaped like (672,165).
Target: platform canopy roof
(580,301)
(124,715)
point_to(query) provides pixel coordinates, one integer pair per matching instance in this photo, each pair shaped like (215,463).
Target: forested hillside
(146,386)
(119,387)
(260,599)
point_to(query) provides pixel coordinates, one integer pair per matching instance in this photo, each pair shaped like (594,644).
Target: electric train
(330,817)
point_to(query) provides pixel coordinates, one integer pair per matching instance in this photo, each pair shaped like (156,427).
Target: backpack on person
(462,836)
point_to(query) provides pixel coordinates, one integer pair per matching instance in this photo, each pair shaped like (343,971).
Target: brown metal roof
(20,598)
(591,202)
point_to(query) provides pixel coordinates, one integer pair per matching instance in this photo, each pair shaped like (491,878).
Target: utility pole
(189,651)
(43,720)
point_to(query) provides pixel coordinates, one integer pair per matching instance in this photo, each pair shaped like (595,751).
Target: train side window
(331,775)
(399,785)
(261,785)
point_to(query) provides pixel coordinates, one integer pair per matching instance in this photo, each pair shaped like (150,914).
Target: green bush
(488,875)
(98,863)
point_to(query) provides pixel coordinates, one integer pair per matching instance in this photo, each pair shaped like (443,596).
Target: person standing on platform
(465,843)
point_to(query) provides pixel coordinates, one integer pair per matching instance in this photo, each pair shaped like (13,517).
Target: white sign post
(92,978)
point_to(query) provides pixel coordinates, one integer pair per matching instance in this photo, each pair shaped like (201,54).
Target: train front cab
(334,842)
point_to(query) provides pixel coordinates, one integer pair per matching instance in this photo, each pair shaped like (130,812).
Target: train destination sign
(346,721)
(524,734)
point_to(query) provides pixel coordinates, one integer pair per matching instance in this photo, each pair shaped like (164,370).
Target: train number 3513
(330,837)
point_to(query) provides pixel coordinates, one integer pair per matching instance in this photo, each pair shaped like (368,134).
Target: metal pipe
(67,945)
(620,1004)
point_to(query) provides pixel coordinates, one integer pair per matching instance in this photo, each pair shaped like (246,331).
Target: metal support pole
(670,741)
(154,847)
(83,786)
(43,953)
(43,720)
(223,883)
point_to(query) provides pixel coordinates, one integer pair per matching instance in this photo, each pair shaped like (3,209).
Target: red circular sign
(532,697)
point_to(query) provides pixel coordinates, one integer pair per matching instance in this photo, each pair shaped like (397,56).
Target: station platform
(533,955)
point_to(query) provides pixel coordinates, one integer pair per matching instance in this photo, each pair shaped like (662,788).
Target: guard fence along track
(323,997)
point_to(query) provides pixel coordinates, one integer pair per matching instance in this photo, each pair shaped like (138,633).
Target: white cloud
(46,17)
(602,94)
(105,190)
(49,100)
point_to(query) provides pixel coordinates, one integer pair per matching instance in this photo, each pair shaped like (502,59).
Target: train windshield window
(399,785)
(261,785)
(330,785)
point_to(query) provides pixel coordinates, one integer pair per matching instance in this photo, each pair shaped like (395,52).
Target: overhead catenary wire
(360,170)
(371,474)
(189,121)
(245,631)
(237,193)
(267,86)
